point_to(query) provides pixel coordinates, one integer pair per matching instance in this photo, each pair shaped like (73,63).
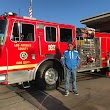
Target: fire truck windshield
(2,31)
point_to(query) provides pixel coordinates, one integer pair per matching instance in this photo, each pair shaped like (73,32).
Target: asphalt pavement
(94,94)
(9,100)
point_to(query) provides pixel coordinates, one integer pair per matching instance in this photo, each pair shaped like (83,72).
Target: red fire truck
(30,50)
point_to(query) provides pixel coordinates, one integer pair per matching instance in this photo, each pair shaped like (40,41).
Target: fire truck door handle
(39,42)
(33,56)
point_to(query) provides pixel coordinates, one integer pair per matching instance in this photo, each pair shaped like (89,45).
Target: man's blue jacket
(70,59)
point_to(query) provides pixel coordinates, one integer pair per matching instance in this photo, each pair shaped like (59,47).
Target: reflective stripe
(70,54)
(17,67)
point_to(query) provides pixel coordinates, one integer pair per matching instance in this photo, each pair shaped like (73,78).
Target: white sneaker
(66,93)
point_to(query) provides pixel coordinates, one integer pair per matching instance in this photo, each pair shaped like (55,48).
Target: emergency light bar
(9,14)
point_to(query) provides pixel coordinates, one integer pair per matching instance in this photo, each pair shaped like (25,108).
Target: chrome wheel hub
(51,76)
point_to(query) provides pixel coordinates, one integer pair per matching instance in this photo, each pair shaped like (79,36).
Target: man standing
(70,61)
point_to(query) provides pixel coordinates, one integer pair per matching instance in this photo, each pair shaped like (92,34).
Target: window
(65,35)
(3,24)
(50,34)
(23,32)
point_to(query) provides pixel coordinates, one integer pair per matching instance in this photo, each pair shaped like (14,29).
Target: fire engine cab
(31,49)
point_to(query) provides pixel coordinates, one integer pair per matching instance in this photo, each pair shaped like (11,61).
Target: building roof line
(100,16)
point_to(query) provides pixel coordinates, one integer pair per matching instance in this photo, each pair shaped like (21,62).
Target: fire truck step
(26,84)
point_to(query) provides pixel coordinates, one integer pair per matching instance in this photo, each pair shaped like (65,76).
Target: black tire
(47,77)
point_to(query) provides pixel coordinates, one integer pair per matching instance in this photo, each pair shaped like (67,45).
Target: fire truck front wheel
(48,76)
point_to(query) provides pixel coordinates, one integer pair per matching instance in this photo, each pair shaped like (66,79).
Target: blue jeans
(68,75)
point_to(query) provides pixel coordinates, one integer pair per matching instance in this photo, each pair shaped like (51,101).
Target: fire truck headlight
(2,77)
(33,56)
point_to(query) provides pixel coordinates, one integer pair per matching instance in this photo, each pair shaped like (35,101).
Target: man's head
(70,46)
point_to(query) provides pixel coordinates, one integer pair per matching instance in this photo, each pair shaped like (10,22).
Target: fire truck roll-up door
(89,52)
(21,51)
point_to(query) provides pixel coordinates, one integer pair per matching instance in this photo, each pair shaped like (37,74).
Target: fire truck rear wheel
(48,76)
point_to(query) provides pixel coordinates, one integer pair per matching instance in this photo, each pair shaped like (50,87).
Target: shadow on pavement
(88,76)
(44,101)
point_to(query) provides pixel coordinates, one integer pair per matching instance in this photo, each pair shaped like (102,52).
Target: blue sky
(61,11)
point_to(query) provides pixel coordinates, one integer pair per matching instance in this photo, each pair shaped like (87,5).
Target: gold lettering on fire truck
(51,47)
(22,62)
(22,46)
(19,62)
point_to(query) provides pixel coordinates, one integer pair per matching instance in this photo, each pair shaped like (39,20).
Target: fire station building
(99,22)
